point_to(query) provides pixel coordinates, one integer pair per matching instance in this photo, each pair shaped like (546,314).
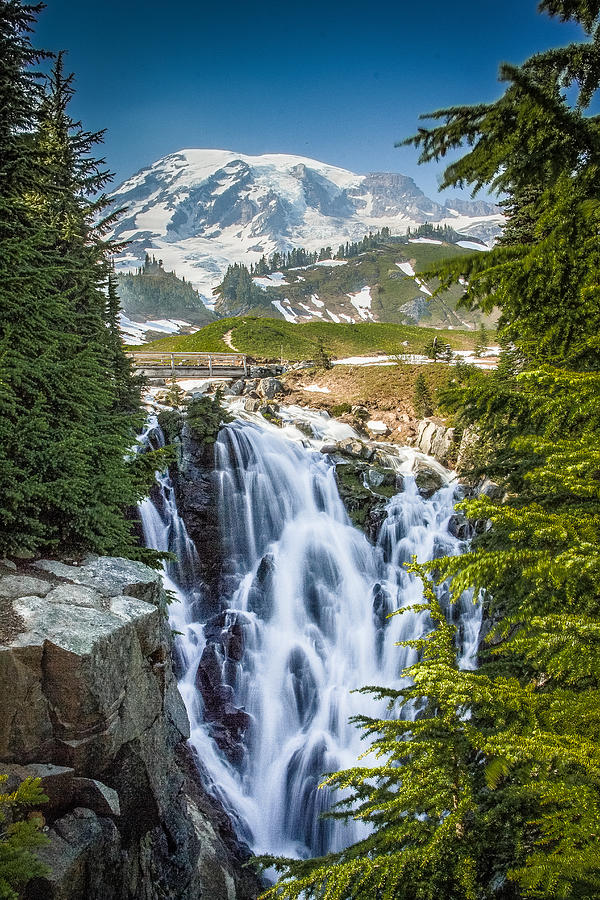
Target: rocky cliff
(90,705)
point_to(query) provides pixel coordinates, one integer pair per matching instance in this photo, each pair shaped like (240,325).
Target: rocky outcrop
(364,490)
(435,439)
(268,388)
(90,705)
(428,479)
(216,680)
(196,493)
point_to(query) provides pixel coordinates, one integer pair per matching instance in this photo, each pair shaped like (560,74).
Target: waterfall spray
(305,621)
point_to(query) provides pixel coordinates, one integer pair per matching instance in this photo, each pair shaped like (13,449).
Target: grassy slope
(376,387)
(271,338)
(390,287)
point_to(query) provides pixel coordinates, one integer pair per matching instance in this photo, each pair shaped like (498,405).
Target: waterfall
(306,600)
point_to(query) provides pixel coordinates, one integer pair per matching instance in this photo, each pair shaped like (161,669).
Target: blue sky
(340,82)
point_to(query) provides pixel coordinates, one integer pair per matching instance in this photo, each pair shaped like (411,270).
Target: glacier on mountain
(203,210)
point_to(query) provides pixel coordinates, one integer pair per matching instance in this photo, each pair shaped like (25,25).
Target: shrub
(205,415)
(322,358)
(18,836)
(340,408)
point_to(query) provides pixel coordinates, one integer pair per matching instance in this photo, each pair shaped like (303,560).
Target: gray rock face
(89,704)
(490,489)
(355,449)
(269,388)
(110,576)
(235,389)
(393,194)
(13,586)
(427,478)
(460,527)
(467,448)
(435,439)
(196,494)
(224,649)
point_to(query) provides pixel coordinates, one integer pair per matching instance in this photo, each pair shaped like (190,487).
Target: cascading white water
(311,597)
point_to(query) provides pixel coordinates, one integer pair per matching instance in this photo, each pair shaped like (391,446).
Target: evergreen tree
(322,358)
(69,410)
(539,564)
(126,384)
(31,313)
(422,402)
(481,342)
(537,145)
(91,481)
(154,293)
(237,293)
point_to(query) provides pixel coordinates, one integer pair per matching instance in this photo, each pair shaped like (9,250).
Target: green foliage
(482,341)
(442,233)
(237,293)
(171,423)
(435,349)
(174,395)
(322,359)
(422,401)
(69,403)
(538,146)
(540,565)
(19,836)
(340,409)
(204,418)
(152,293)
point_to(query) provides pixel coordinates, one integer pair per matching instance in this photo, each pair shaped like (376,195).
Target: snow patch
(423,241)
(275,279)
(314,298)
(471,245)
(423,287)
(377,427)
(135,332)
(332,316)
(287,315)
(331,263)
(312,312)
(315,389)
(406,268)
(361,301)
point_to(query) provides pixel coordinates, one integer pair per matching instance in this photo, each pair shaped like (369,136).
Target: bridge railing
(192,360)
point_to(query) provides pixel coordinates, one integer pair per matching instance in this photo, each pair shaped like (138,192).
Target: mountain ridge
(201,210)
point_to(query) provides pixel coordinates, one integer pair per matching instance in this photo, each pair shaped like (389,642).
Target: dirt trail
(227,339)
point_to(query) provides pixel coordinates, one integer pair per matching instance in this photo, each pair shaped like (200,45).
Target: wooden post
(173,365)
(209,364)
(245,366)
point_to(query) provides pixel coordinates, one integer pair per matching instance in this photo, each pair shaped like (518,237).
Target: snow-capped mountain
(202,210)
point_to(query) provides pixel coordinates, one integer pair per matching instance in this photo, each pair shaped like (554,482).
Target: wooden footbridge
(189,365)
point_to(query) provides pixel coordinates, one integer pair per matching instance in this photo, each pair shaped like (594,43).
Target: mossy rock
(359,499)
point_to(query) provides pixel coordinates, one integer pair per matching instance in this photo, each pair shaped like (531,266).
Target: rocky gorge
(264,514)
(89,671)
